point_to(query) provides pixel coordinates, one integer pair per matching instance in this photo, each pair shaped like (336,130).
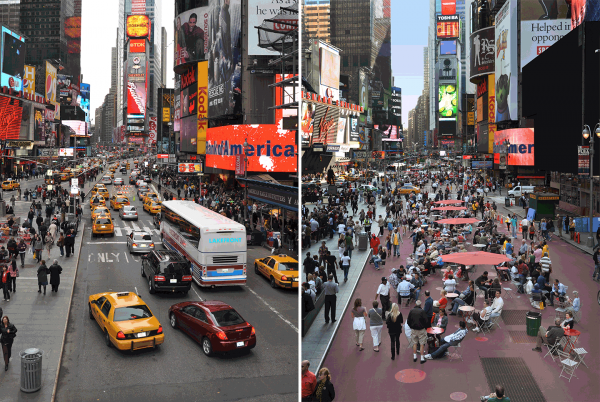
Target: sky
(410,21)
(99,35)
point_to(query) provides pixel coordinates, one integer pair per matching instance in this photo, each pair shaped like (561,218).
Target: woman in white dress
(359,324)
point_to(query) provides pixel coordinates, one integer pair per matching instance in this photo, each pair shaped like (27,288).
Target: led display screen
(448,26)
(448,100)
(12,60)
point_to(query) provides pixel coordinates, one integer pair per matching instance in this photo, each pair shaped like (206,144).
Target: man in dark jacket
(428,306)
(418,323)
(70,242)
(55,271)
(307,302)
(39,221)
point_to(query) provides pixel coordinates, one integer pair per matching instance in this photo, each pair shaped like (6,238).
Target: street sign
(583,160)
(74,182)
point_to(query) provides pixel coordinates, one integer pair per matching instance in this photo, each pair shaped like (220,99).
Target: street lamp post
(587,134)
(245,180)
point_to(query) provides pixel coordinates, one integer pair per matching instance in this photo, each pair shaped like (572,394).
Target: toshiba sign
(138,26)
(137,46)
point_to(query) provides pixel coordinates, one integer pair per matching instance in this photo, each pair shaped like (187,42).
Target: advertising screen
(521,149)
(152,130)
(448,7)
(506,62)
(189,168)
(270,148)
(138,26)
(329,66)
(325,123)
(260,10)
(84,100)
(137,46)
(10,118)
(136,98)
(39,126)
(189,92)
(50,93)
(482,164)
(202,107)
(78,128)
(188,134)
(447,102)
(306,126)
(483,50)
(12,60)
(543,26)
(192,30)
(447,47)
(448,26)
(363,91)
(225,62)
(29,80)
(354,137)
(65,152)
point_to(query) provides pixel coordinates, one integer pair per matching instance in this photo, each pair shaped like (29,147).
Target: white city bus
(214,244)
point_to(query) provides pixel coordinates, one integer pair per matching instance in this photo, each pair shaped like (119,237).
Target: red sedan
(214,324)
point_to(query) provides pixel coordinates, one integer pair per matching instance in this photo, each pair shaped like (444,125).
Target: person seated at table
(433,252)
(494,246)
(403,290)
(558,290)
(440,320)
(483,283)
(416,281)
(575,305)
(537,294)
(568,321)
(494,287)
(445,231)
(484,316)
(428,267)
(497,396)
(3,253)
(421,248)
(549,336)
(450,284)
(450,340)
(443,300)
(497,305)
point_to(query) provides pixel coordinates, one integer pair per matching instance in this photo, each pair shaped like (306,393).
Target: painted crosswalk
(124,228)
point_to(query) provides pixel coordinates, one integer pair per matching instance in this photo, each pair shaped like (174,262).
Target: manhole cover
(503,370)
(409,376)
(458,396)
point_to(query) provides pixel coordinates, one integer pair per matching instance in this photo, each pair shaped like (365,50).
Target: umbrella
(449,208)
(457,221)
(448,202)
(475,258)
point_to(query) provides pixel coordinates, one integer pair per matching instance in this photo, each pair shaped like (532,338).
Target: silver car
(106,180)
(128,212)
(119,181)
(140,242)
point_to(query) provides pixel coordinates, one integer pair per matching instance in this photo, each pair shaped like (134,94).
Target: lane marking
(108,242)
(288,322)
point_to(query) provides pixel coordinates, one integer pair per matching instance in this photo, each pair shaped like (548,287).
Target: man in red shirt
(375,242)
(309,382)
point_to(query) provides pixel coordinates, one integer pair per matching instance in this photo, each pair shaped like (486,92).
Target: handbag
(351,246)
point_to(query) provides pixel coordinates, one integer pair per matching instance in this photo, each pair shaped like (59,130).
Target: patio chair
(568,366)
(456,352)
(553,349)
(580,355)
(486,326)
(494,321)
(508,292)
(577,314)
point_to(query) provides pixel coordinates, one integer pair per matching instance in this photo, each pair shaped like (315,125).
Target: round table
(479,245)
(452,295)
(432,333)
(435,330)
(467,312)
(572,336)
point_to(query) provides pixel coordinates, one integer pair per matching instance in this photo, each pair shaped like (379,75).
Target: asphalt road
(178,369)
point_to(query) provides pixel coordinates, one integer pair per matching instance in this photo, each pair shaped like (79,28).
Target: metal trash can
(363,241)
(506,201)
(31,369)
(534,320)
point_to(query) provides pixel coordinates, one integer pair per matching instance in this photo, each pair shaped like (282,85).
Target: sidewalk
(41,320)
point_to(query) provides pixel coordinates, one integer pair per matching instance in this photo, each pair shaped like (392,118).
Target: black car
(166,271)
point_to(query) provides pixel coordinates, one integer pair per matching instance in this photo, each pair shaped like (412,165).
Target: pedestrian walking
(324,392)
(359,323)
(22,249)
(49,243)
(8,334)
(37,245)
(331,289)
(376,324)
(55,271)
(345,264)
(13,271)
(61,244)
(383,291)
(5,283)
(394,324)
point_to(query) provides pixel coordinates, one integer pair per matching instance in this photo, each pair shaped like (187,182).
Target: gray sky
(99,35)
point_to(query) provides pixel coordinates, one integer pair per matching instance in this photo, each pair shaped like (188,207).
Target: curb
(335,330)
(62,346)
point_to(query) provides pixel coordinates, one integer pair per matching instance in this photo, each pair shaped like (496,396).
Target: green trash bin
(534,321)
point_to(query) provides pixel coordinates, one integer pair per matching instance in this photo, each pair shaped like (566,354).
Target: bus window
(191,233)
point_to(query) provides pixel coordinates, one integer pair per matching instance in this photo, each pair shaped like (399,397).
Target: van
(520,190)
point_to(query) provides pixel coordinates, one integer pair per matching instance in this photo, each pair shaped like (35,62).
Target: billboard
(506,67)
(225,59)
(260,10)
(152,129)
(307,123)
(84,100)
(448,69)
(354,137)
(39,127)
(521,149)
(482,164)
(189,92)
(12,60)
(189,168)
(50,130)
(448,100)
(329,67)
(448,7)
(447,47)
(483,52)
(448,26)
(10,113)
(542,25)
(188,134)
(50,92)
(363,90)
(65,152)
(395,104)
(29,80)
(138,26)
(270,149)
(76,127)
(191,37)
(137,45)
(202,107)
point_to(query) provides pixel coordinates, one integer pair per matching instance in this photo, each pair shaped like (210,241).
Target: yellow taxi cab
(409,189)
(125,320)
(152,206)
(128,166)
(112,175)
(10,184)
(118,200)
(98,211)
(97,200)
(96,187)
(151,196)
(103,225)
(280,269)
(103,192)
(64,176)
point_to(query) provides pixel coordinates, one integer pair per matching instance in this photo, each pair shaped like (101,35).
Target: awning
(285,197)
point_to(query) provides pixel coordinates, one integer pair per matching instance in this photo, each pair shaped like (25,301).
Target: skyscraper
(316,20)
(10,11)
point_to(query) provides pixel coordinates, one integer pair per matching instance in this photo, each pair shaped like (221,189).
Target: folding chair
(486,327)
(568,366)
(494,321)
(554,349)
(456,352)
(508,292)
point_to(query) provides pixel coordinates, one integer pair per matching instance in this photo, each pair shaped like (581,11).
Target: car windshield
(106,177)
(122,200)
(177,268)
(102,221)
(132,313)
(142,237)
(288,266)
(129,208)
(225,318)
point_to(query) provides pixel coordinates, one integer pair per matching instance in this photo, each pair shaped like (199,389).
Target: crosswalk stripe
(147,229)
(117,231)
(134,226)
